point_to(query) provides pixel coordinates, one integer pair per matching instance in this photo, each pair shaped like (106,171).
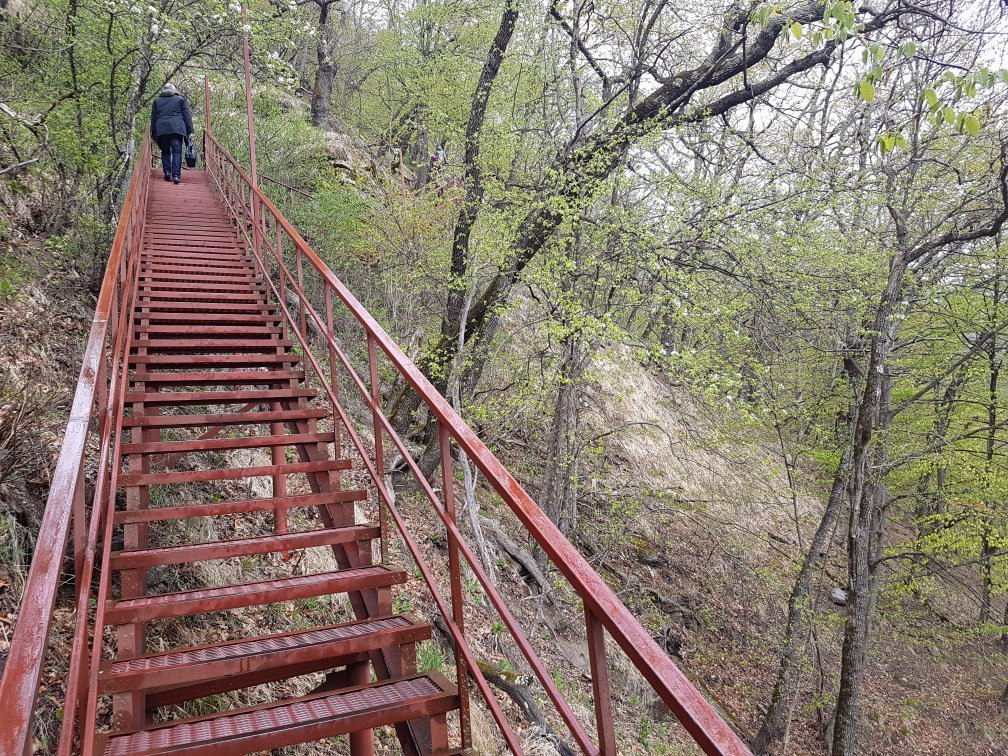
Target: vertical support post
(254,208)
(455,577)
(79,529)
(281,275)
(361,742)
(600,683)
(333,382)
(379,451)
(101,380)
(302,297)
(206,108)
(248,97)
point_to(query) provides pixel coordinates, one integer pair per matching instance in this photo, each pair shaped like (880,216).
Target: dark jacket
(170,115)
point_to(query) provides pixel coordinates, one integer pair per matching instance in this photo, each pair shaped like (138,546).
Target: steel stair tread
(217,378)
(220,508)
(208,329)
(223,418)
(250,654)
(196,445)
(294,720)
(206,307)
(224,360)
(183,603)
(235,473)
(198,318)
(247,396)
(199,296)
(201,345)
(274,543)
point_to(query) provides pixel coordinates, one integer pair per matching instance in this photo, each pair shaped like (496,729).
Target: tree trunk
(775,723)
(993,373)
(440,362)
(321,104)
(867,517)
(557,491)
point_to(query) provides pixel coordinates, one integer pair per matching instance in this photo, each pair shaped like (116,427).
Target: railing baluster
(301,294)
(379,453)
(333,382)
(455,578)
(79,527)
(600,683)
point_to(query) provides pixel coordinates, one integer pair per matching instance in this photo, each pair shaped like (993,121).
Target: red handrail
(602,607)
(66,504)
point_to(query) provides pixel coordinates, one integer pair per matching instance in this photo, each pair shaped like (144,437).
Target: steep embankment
(46,306)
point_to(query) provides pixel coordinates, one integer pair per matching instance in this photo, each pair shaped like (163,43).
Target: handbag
(190,153)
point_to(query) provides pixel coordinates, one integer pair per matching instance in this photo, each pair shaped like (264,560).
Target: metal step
(274,543)
(262,331)
(241,506)
(224,418)
(198,318)
(215,444)
(322,647)
(147,287)
(216,378)
(247,396)
(184,603)
(197,296)
(198,344)
(222,360)
(297,720)
(201,307)
(202,476)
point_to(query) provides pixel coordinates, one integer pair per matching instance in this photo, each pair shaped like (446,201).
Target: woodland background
(723,282)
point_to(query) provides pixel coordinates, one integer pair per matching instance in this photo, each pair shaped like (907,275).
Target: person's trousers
(171,153)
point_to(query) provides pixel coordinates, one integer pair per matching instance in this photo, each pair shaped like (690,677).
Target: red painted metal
(313,717)
(249,594)
(237,547)
(240,507)
(188,665)
(23,669)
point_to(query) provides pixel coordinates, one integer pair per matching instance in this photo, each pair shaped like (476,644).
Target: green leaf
(908,49)
(971,125)
(949,115)
(931,97)
(796,30)
(866,90)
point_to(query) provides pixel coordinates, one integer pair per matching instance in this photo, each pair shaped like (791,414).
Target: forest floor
(701,544)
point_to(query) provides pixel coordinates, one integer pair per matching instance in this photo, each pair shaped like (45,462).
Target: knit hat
(169,88)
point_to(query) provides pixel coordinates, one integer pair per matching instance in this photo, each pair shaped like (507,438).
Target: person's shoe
(176,179)
(167,176)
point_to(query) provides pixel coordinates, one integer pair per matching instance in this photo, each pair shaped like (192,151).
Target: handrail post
(79,530)
(206,112)
(379,451)
(601,691)
(302,297)
(333,381)
(455,578)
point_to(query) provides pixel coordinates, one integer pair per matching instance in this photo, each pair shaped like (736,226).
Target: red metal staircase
(214,332)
